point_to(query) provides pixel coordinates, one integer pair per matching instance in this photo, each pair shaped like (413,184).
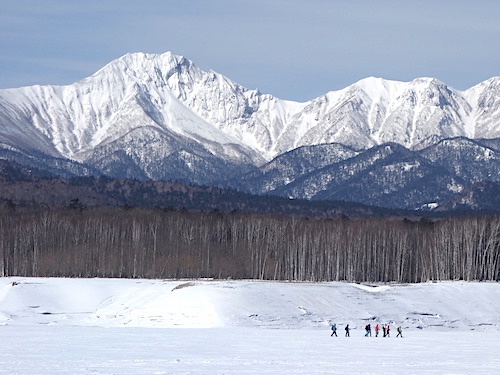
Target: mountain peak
(146,68)
(141,59)
(378,87)
(490,84)
(427,81)
(374,86)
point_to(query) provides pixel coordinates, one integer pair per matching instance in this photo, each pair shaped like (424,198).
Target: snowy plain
(122,326)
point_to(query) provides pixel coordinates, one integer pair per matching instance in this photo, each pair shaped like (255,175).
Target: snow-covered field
(110,326)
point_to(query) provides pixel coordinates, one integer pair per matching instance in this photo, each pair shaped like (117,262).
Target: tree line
(160,243)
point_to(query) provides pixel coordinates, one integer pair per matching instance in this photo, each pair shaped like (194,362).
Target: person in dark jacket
(347,329)
(400,332)
(368,330)
(334,330)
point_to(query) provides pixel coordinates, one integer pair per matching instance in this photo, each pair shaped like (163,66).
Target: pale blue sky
(293,49)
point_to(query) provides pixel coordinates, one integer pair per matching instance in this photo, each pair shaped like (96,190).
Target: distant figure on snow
(368,329)
(347,329)
(388,330)
(384,329)
(334,330)
(377,329)
(400,332)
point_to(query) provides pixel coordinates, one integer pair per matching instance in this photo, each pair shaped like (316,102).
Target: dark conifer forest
(167,243)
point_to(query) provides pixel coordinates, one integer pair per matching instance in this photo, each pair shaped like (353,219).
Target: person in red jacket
(377,329)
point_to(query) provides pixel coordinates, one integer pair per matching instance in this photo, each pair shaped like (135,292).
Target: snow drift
(283,305)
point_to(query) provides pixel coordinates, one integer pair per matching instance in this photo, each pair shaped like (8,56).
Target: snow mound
(266,304)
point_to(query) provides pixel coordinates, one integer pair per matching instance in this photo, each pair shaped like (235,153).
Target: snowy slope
(133,92)
(203,304)
(170,94)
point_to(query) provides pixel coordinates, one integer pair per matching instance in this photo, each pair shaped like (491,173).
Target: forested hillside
(160,243)
(28,189)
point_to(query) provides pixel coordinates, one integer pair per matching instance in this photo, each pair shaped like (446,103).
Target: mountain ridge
(160,117)
(153,88)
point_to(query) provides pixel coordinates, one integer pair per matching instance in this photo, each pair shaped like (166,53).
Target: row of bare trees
(139,243)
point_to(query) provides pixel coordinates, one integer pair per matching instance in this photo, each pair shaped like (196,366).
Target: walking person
(347,329)
(388,330)
(368,329)
(377,329)
(334,330)
(400,332)
(384,329)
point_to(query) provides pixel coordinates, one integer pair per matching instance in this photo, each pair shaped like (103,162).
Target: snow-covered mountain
(387,175)
(167,95)
(152,116)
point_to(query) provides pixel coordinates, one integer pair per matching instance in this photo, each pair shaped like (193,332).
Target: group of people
(386,330)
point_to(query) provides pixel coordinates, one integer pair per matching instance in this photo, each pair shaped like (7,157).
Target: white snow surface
(121,326)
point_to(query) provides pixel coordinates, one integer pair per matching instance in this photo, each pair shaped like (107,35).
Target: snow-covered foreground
(55,350)
(105,326)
